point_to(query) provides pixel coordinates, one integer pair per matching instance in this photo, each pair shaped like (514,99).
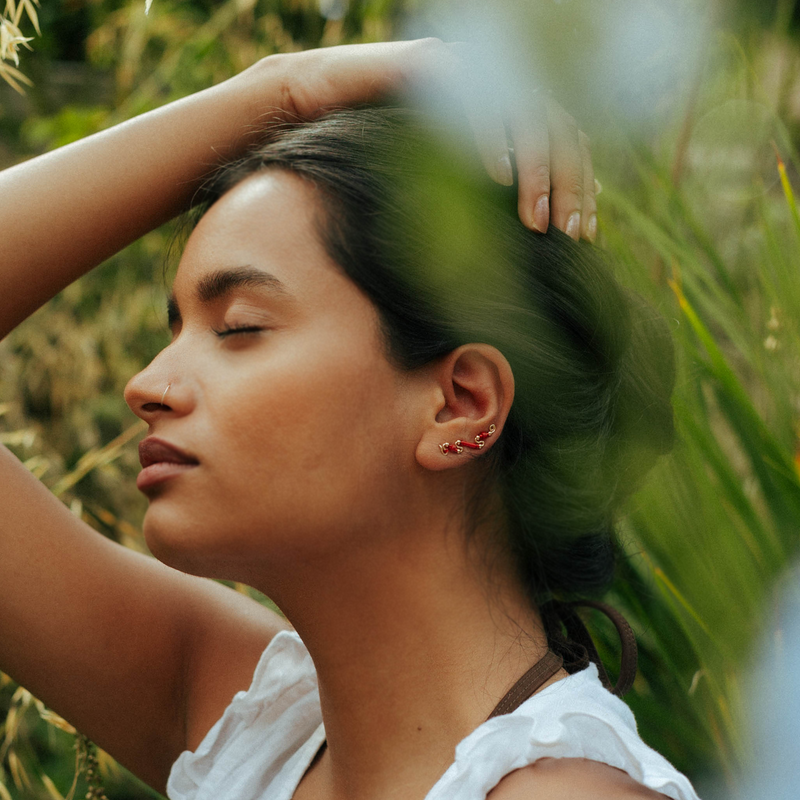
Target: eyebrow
(222,282)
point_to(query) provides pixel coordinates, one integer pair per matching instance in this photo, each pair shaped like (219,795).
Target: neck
(414,644)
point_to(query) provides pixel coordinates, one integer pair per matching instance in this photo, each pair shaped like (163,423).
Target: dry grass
(12,38)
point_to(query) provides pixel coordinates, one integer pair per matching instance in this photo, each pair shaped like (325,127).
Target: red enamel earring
(476,444)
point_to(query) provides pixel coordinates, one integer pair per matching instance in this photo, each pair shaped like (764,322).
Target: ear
(474,390)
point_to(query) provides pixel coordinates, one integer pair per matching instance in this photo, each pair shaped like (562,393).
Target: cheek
(307,452)
(307,408)
(331,430)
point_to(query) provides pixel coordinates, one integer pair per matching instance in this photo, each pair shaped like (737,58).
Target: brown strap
(630,652)
(579,636)
(574,652)
(533,679)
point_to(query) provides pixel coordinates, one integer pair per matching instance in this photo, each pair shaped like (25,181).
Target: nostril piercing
(165,393)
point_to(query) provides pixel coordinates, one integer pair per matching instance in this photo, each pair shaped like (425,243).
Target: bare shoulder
(571,779)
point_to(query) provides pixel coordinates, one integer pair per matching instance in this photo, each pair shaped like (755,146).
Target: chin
(174,542)
(201,550)
(172,553)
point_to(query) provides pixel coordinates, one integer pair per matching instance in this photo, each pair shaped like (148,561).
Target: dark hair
(440,251)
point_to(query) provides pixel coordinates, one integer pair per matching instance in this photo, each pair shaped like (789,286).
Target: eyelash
(237,329)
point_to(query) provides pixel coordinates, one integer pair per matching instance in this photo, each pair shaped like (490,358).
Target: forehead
(267,222)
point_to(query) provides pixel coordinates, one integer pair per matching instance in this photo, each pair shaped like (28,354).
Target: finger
(490,139)
(566,172)
(589,210)
(451,67)
(531,137)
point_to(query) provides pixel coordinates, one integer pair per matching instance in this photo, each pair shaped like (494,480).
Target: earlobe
(475,391)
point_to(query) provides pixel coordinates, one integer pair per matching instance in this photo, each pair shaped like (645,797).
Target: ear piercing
(459,445)
(165,393)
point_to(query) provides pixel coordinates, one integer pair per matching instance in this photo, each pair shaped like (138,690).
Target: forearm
(63,213)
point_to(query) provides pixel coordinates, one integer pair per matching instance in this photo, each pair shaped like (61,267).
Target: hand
(555,172)
(553,161)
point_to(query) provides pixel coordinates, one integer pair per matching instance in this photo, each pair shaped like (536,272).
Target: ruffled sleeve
(573,718)
(261,734)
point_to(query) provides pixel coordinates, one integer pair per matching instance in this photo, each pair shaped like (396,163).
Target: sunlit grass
(12,38)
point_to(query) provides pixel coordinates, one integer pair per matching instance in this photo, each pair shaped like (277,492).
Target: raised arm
(66,211)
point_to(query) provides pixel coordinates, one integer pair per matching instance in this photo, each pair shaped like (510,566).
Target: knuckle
(539,173)
(541,170)
(575,187)
(428,48)
(442,51)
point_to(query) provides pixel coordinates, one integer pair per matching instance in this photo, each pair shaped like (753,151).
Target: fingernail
(592,227)
(541,214)
(504,173)
(574,225)
(598,187)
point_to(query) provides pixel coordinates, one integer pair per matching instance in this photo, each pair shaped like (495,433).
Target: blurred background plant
(694,129)
(11,39)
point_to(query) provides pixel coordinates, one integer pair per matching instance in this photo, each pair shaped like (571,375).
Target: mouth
(161,461)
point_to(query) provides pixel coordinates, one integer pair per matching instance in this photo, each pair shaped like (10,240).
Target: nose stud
(459,445)
(165,393)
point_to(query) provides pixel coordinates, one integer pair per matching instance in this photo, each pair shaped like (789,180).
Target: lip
(161,461)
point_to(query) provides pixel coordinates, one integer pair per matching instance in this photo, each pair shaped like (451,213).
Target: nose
(158,389)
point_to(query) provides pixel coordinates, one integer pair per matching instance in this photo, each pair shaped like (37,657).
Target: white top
(268,736)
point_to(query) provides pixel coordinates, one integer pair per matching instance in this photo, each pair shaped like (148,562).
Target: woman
(324,427)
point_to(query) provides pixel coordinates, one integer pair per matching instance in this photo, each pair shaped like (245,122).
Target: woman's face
(302,431)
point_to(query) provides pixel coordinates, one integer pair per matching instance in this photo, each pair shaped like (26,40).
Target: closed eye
(237,329)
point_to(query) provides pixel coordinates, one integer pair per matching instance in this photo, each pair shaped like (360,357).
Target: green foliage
(709,232)
(701,223)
